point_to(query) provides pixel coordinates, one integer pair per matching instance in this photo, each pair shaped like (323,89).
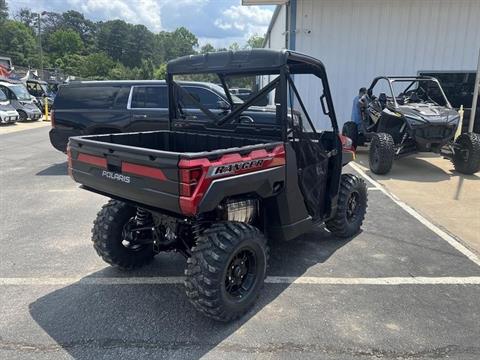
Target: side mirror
(223,105)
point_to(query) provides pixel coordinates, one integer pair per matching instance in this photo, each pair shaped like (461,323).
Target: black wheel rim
(241,274)
(353,206)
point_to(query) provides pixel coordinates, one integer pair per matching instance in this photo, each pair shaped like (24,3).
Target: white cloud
(246,19)
(221,21)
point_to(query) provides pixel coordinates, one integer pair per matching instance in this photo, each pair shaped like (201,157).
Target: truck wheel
(350,129)
(467,159)
(382,151)
(227,269)
(109,237)
(22,115)
(351,207)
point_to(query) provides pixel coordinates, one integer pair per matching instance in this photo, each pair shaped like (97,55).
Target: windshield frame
(412,82)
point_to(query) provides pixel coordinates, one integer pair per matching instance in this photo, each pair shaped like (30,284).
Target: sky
(219,22)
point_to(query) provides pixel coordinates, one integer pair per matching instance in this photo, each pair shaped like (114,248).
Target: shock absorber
(142,216)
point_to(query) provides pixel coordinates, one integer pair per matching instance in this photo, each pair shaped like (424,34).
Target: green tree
(17,41)
(234,46)
(207,48)
(63,42)
(121,72)
(160,73)
(113,39)
(28,18)
(75,21)
(97,66)
(255,41)
(3,10)
(71,64)
(146,70)
(180,42)
(141,43)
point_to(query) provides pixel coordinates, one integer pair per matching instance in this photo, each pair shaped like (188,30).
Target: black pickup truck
(216,190)
(105,107)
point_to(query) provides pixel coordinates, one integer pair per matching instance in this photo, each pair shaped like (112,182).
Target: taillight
(347,143)
(92,160)
(189,180)
(52,118)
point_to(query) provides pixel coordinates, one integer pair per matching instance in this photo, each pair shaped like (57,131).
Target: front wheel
(351,207)
(466,158)
(382,153)
(227,269)
(23,115)
(113,241)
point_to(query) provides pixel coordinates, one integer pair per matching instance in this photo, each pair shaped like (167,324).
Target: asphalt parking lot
(401,289)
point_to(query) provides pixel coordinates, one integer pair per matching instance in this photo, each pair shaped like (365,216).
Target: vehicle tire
(467,160)
(108,237)
(350,129)
(381,154)
(227,269)
(351,207)
(22,115)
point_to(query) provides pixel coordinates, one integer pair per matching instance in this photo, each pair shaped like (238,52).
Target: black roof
(245,61)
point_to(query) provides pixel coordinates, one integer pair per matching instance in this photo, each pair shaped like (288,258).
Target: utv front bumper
(433,134)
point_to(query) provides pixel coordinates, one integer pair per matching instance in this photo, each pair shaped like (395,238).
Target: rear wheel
(382,152)
(227,269)
(351,207)
(112,240)
(350,129)
(466,158)
(23,115)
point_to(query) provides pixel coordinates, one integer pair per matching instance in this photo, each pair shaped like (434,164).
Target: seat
(382,98)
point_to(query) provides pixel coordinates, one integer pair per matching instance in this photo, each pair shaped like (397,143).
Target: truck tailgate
(145,176)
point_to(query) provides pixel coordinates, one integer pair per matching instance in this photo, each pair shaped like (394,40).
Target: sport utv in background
(414,117)
(216,190)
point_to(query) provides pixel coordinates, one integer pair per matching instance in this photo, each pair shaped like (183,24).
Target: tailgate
(144,176)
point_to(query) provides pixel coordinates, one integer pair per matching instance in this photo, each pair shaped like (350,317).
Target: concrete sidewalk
(429,183)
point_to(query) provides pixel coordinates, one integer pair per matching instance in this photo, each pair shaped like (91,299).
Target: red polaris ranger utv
(220,190)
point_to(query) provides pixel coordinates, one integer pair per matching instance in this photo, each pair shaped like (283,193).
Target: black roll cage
(413,79)
(255,62)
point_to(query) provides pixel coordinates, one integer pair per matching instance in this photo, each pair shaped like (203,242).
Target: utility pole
(40,43)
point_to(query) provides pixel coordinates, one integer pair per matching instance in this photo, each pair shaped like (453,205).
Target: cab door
(148,106)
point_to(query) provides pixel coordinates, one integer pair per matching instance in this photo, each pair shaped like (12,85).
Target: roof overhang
(263,2)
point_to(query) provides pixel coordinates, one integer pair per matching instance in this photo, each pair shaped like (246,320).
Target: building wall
(277,35)
(360,39)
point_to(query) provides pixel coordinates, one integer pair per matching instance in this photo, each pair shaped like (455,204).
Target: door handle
(142,116)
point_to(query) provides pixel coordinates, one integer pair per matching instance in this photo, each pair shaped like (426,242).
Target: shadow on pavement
(86,320)
(54,170)
(412,168)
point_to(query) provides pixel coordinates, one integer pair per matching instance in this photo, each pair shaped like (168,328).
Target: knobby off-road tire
(350,129)
(109,240)
(470,164)
(382,152)
(351,207)
(218,253)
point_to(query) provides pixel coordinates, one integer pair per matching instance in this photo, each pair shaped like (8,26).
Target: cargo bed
(149,168)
